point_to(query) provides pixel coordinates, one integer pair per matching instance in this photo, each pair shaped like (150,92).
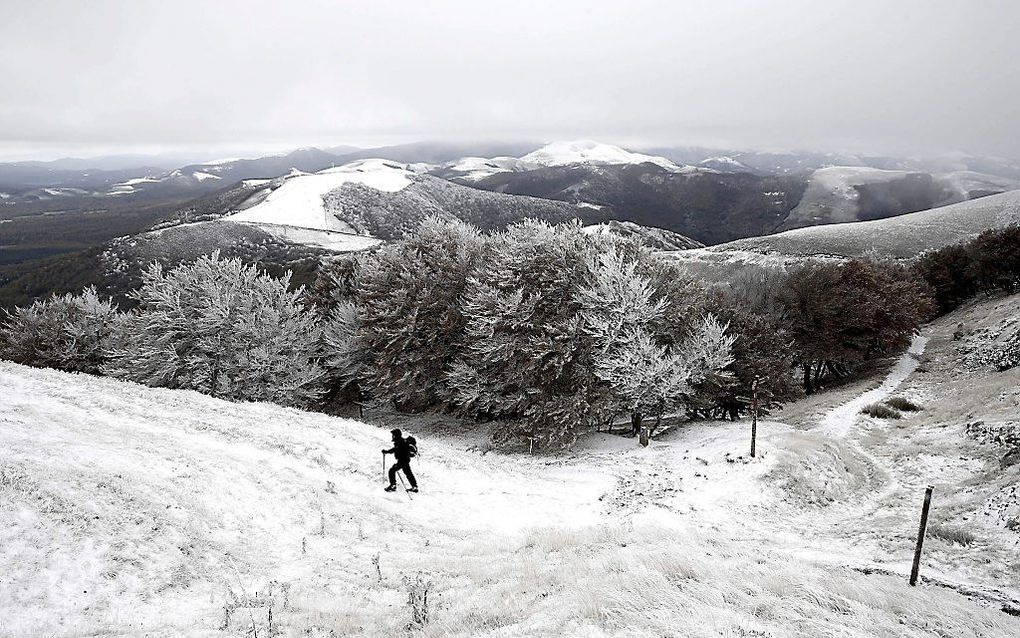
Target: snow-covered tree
(66,332)
(647,370)
(220,327)
(344,355)
(527,357)
(409,304)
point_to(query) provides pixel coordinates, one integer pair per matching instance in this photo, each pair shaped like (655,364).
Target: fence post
(920,535)
(754,415)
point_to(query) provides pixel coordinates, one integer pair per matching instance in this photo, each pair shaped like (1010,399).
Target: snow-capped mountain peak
(591,152)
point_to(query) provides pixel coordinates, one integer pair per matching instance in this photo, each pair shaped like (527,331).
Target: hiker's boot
(391,488)
(413,489)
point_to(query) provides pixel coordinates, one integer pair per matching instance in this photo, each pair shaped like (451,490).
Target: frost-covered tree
(223,328)
(344,355)
(409,304)
(647,370)
(66,332)
(527,357)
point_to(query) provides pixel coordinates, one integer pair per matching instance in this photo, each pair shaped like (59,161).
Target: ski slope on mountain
(299,200)
(135,511)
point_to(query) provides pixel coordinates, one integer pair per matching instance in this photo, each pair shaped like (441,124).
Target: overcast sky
(925,76)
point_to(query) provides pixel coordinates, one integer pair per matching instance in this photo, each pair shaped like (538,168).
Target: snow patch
(299,201)
(128,186)
(202,176)
(224,160)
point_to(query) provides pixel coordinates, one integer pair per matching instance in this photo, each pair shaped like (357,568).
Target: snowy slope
(839,194)
(473,169)
(590,152)
(831,197)
(299,201)
(902,237)
(129,186)
(126,510)
(648,236)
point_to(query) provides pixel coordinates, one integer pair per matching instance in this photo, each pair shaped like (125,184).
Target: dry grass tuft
(951,534)
(902,404)
(880,411)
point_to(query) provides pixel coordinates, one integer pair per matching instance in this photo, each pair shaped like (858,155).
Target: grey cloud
(911,76)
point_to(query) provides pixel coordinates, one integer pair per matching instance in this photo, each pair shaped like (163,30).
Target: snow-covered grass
(127,510)
(137,511)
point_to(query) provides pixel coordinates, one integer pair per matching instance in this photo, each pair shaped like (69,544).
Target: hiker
(403,450)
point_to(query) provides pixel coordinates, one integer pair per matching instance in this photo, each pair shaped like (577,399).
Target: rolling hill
(902,237)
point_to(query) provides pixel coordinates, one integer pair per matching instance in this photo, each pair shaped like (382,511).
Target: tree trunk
(658,422)
(635,423)
(809,387)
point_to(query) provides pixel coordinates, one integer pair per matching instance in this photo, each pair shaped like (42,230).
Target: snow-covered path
(840,419)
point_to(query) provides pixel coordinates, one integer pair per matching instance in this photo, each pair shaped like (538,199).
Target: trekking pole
(384,465)
(405,487)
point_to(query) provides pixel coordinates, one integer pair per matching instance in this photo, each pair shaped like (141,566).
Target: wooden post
(920,535)
(754,415)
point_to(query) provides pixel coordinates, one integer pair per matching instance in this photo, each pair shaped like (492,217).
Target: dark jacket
(401,450)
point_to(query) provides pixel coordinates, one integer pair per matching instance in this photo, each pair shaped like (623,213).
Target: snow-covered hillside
(472,169)
(554,154)
(126,510)
(299,200)
(648,236)
(902,237)
(839,194)
(129,186)
(590,152)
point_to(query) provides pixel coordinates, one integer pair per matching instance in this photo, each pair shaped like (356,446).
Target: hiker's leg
(393,473)
(409,475)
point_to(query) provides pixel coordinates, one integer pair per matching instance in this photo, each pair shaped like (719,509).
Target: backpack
(412,446)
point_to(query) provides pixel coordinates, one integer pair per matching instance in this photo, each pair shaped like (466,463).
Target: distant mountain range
(304,205)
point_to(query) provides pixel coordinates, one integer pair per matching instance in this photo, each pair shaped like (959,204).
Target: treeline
(547,331)
(990,261)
